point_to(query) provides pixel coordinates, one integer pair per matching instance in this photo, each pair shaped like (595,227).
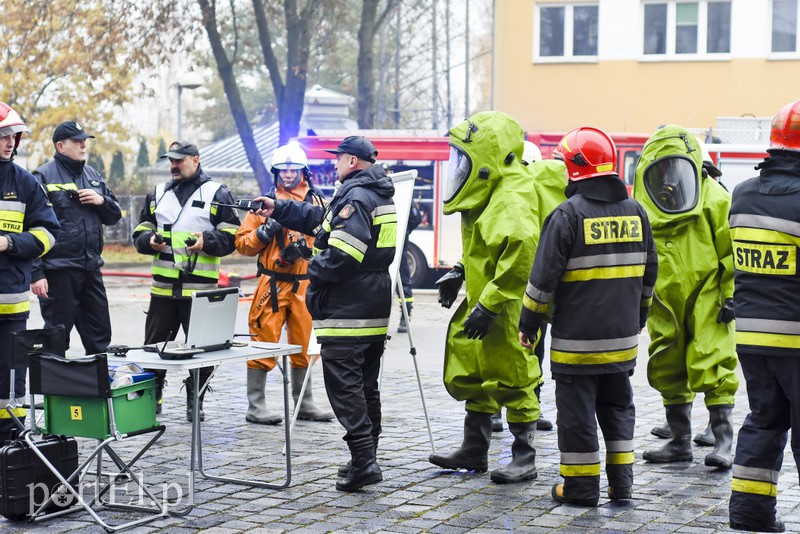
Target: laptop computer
(212,323)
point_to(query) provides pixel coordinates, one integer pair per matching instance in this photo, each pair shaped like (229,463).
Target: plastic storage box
(134,410)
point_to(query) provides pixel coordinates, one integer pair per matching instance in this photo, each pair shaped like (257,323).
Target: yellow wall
(627,96)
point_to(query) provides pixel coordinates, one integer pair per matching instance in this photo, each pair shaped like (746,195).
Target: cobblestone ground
(415,495)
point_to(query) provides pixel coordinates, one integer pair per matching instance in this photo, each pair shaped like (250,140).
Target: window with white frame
(784,26)
(567,31)
(676,28)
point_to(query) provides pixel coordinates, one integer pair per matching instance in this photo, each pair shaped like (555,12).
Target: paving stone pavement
(415,496)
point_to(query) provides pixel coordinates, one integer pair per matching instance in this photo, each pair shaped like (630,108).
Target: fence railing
(120,233)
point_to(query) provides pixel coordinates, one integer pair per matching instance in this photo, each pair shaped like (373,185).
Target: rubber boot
(364,468)
(473,455)
(720,417)
(402,328)
(344,469)
(706,437)
(256,402)
(189,384)
(679,448)
(497,422)
(776,526)
(308,410)
(542,423)
(523,456)
(662,431)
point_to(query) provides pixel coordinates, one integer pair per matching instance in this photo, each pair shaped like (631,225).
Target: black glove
(726,313)
(266,232)
(449,285)
(478,323)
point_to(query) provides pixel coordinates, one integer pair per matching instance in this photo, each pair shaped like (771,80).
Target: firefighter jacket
(28,220)
(80,242)
(765,228)
(176,210)
(350,293)
(596,265)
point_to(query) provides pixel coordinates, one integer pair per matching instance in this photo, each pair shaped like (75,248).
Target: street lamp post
(189,80)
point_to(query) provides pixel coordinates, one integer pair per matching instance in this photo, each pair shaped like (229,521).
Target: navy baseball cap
(357,146)
(181,149)
(70,130)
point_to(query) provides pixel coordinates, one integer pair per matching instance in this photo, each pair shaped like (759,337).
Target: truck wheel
(417,265)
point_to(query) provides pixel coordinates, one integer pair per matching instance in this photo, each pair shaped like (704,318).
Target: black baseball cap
(358,146)
(181,149)
(70,130)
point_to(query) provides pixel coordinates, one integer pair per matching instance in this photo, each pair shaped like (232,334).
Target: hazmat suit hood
(482,149)
(669,177)
(550,177)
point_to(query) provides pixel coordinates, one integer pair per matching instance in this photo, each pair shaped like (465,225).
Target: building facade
(632,65)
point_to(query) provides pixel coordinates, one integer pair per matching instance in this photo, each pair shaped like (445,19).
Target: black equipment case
(23,475)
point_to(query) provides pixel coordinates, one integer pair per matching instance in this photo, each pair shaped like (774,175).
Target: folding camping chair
(23,344)
(79,402)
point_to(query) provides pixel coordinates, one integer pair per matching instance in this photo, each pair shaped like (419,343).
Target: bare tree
(289,93)
(225,69)
(370,25)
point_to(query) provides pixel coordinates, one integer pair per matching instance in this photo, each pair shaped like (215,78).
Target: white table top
(253,351)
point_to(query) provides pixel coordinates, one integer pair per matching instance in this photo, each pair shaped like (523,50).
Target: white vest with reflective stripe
(183,221)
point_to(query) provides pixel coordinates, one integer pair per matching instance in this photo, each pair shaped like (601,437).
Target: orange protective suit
(265,323)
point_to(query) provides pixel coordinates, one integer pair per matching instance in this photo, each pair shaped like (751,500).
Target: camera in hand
(158,238)
(249,205)
(190,241)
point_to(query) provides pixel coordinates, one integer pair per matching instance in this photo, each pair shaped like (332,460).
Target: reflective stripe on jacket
(27,218)
(595,267)
(765,227)
(80,243)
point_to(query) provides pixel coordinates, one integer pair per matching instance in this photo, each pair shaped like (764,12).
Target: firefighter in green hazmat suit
(549,181)
(692,346)
(484,364)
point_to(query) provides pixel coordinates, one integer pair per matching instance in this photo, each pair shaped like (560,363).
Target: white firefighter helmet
(530,153)
(708,164)
(289,156)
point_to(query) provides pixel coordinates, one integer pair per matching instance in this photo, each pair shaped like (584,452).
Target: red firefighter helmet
(587,152)
(11,123)
(785,133)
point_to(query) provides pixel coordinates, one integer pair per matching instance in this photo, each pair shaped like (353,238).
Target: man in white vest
(186,235)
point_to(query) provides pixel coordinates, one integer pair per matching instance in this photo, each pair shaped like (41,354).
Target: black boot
(679,448)
(776,526)
(497,422)
(189,385)
(473,455)
(523,455)
(662,431)
(161,381)
(344,469)
(706,437)
(402,328)
(720,417)
(364,468)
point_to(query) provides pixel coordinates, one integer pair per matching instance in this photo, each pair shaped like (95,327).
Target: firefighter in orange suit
(281,293)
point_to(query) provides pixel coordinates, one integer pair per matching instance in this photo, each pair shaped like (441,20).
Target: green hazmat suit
(499,232)
(690,352)
(550,179)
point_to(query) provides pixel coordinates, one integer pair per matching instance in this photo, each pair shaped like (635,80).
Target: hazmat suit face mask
(672,184)
(458,170)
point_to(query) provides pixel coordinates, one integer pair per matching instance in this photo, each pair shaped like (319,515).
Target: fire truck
(436,243)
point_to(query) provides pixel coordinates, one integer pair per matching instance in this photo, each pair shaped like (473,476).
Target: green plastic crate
(88,417)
